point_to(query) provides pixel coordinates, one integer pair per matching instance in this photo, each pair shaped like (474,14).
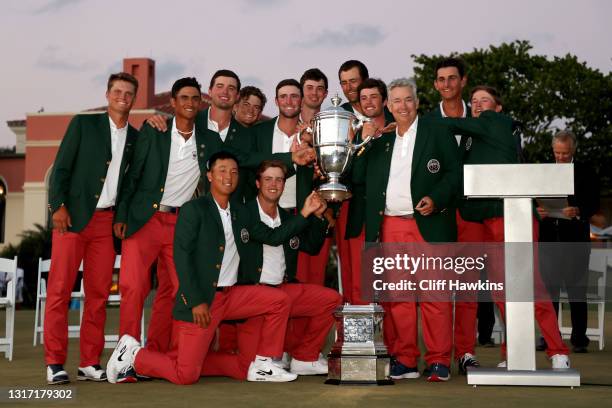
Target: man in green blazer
(87,173)
(420,154)
(211,238)
(312,305)
(163,176)
(251,103)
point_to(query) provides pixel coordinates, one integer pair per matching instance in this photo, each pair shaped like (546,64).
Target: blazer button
(214,284)
(102,179)
(97,196)
(218,266)
(155,205)
(221,248)
(258,269)
(384,193)
(108,163)
(380,213)
(161,189)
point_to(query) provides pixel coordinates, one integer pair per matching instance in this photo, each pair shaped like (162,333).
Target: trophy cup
(333,131)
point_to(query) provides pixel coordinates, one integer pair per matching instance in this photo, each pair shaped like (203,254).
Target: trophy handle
(299,134)
(357,125)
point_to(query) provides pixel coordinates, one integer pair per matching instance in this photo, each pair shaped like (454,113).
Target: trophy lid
(335,110)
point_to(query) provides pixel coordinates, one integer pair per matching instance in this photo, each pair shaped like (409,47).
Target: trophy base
(358,369)
(334,192)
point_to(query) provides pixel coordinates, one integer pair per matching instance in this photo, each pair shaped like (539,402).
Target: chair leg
(36,319)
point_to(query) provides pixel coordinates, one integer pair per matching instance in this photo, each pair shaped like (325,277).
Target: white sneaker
(263,369)
(122,357)
(560,361)
(57,375)
(283,362)
(322,359)
(308,367)
(503,364)
(91,373)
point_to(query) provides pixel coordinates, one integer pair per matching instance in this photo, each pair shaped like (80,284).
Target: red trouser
(311,268)
(93,245)
(466,312)
(400,321)
(183,364)
(544,311)
(153,240)
(342,246)
(311,305)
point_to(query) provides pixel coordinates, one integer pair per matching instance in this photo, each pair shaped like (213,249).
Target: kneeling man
(209,237)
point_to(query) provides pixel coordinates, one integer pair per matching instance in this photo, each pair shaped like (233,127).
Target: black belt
(270,285)
(168,209)
(111,208)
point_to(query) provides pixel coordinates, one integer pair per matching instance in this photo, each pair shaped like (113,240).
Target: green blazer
(309,240)
(488,139)
(433,142)
(199,242)
(145,181)
(81,164)
(238,137)
(262,135)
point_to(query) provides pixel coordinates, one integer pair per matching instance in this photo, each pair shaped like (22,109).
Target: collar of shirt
(212,125)
(223,211)
(116,133)
(266,219)
(183,145)
(444,115)
(407,137)
(277,129)
(411,130)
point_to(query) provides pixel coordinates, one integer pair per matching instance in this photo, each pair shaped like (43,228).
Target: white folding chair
(599,262)
(8,268)
(110,340)
(74,331)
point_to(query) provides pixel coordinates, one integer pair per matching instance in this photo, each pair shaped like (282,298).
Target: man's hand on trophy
(389,128)
(303,155)
(329,216)
(311,204)
(370,129)
(304,132)
(158,122)
(318,174)
(322,206)
(426,206)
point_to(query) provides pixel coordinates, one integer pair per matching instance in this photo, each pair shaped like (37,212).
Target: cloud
(103,77)
(251,80)
(54,6)
(168,71)
(351,35)
(54,59)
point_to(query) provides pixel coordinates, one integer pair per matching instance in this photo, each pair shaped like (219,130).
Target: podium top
(518,180)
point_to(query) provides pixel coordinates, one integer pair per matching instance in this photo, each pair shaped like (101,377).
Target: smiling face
(403,105)
(248,110)
(350,81)
(314,93)
(483,101)
(223,177)
(271,184)
(187,102)
(563,151)
(121,97)
(449,83)
(372,102)
(289,100)
(224,92)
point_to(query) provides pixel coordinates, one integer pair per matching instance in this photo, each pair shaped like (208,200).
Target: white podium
(517,184)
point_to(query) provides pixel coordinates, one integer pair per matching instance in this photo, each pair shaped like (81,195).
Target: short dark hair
(183,83)
(451,62)
(313,74)
(220,155)
(224,73)
(490,90)
(350,64)
(373,83)
(266,164)
(122,76)
(254,91)
(287,82)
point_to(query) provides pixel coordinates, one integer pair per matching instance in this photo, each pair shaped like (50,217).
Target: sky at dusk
(57,54)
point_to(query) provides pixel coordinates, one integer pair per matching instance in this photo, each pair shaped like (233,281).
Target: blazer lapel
(419,146)
(165,143)
(104,129)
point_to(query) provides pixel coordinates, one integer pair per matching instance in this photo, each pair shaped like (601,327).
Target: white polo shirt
(212,125)
(183,169)
(111,181)
(228,275)
(444,115)
(273,268)
(281,143)
(398,196)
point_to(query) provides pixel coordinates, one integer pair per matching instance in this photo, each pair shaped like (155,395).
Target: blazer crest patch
(433,166)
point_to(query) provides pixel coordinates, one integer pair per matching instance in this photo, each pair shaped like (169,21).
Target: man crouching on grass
(209,237)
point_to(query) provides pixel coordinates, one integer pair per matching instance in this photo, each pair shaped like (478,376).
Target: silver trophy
(333,131)
(359,355)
